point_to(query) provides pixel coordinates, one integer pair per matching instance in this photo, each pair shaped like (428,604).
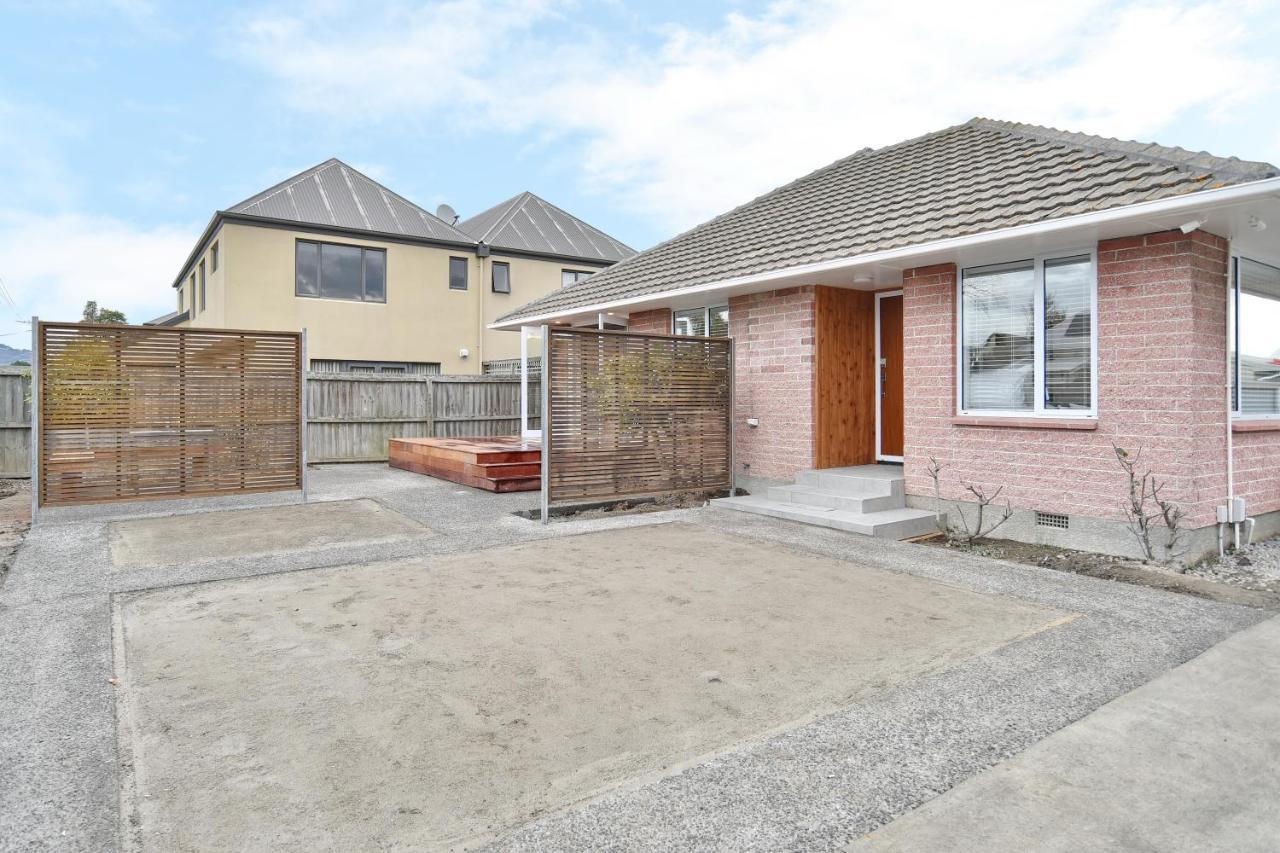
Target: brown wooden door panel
(891,377)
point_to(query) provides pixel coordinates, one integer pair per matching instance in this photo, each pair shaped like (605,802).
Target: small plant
(1150,517)
(984,524)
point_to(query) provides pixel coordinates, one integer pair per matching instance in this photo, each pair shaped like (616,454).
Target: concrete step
(814,496)
(856,481)
(885,524)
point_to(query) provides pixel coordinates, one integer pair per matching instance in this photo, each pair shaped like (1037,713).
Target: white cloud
(52,264)
(714,117)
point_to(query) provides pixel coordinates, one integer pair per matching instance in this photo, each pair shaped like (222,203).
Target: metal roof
(528,223)
(972,178)
(338,196)
(170,319)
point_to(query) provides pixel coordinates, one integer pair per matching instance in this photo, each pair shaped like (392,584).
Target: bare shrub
(985,523)
(1156,523)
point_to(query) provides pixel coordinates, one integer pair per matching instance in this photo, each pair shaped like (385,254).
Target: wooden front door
(889,350)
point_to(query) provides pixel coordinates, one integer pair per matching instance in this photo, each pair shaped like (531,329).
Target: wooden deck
(497,464)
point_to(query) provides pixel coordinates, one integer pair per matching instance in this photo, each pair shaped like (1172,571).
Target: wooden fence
(139,412)
(15,422)
(350,416)
(631,415)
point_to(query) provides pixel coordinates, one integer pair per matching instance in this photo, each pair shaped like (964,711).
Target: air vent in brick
(1052,519)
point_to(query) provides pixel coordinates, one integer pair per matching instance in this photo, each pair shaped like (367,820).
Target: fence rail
(632,415)
(350,416)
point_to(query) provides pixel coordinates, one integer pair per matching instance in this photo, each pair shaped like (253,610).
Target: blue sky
(124,125)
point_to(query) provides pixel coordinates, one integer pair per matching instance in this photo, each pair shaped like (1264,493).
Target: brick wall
(773,355)
(1161,316)
(1257,473)
(654,322)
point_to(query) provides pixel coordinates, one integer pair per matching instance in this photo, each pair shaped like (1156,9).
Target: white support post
(302,411)
(546,425)
(527,332)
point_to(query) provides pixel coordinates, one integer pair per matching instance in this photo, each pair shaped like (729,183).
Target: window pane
(1068,333)
(998,305)
(568,277)
(375,275)
(719,322)
(458,274)
(1258,338)
(308,269)
(691,322)
(340,271)
(501,278)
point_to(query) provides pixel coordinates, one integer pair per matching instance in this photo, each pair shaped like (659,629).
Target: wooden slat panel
(138,412)
(637,415)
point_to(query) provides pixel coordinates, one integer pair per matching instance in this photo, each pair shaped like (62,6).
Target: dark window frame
(364,285)
(466,272)
(213,257)
(204,278)
(493,277)
(578,275)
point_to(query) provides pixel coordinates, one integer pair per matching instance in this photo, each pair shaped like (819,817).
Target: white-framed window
(1254,339)
(701,322)
(1027,337)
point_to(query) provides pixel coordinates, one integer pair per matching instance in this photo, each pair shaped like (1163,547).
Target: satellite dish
(447,213)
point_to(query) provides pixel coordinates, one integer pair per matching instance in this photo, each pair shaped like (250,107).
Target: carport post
(733,471)
(545,422)
(302,409)
(35,418)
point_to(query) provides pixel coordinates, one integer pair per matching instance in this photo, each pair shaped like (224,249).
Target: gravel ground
(1255,567)
(814,786)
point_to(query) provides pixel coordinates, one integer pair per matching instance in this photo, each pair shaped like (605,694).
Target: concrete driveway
(446,674)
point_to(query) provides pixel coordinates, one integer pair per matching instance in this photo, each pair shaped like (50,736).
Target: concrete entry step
(866,499)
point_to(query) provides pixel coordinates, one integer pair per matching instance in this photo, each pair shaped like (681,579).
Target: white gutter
(1191,201)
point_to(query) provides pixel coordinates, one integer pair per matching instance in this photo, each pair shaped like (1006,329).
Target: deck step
(831,499)
(866,499)
(496,464)
(902,523)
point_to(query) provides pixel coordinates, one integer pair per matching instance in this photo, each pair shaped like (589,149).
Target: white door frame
(880,457)
(527,332)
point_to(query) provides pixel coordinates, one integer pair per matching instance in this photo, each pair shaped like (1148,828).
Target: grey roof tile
(336,195)
(967,179)
(532,224)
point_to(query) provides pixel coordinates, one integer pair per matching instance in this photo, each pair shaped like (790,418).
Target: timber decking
(496,464)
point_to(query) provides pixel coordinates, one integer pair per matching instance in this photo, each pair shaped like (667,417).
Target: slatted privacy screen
(634,415)
(137,412)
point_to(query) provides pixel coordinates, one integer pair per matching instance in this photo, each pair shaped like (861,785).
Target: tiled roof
(336,195)
(532,224)
(979,176)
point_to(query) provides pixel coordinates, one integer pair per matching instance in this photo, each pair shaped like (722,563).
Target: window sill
(1024,422)
(1259,425)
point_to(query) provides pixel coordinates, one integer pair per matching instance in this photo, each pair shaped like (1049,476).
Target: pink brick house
(1011,300)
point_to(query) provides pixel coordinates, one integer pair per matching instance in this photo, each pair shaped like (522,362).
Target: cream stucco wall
(421,321)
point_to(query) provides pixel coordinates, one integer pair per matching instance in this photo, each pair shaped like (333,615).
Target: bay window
(1027,343)
(1254,338)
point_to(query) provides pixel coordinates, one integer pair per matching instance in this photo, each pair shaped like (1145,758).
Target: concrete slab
(437,701)
(1187,762)
(169,540)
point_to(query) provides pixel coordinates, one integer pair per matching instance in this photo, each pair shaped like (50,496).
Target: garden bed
(1253,581)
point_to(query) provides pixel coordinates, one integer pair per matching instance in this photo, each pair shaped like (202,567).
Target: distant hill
(8,355)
